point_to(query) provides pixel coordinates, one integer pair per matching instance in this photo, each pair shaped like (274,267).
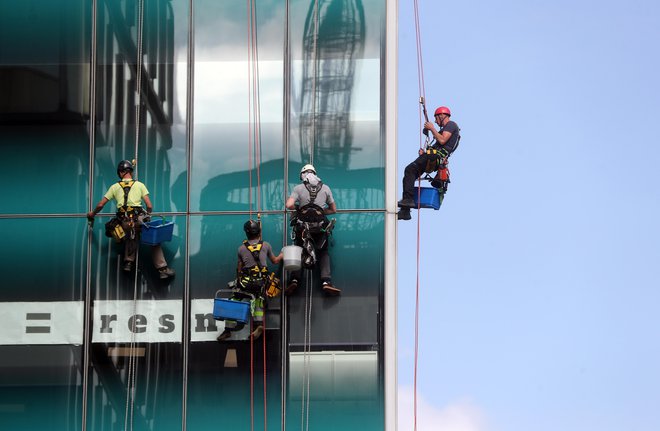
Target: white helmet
(306,168)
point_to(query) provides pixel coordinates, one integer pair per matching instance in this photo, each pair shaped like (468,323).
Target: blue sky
(539,274)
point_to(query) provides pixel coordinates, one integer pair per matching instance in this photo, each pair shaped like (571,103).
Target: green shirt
(135,195)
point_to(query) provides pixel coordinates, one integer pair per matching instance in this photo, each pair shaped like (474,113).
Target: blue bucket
(156,231)
(429,197)
(227,309)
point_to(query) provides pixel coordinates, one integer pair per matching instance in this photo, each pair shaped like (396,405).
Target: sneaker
(226,334)
(293,285)
(128,266)
(257,332)
(403,214)
(330,289)
(407,203)
(165,272)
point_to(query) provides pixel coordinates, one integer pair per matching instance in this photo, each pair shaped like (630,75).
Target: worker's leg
(410,175)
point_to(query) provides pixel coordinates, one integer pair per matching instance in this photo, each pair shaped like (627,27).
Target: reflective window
(44,65)
(220,373)
(237,156)
(158,31)
(335,104)
(304,86)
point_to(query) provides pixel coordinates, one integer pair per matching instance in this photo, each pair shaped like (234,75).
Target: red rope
(251,382)
(263,323)
(421,87)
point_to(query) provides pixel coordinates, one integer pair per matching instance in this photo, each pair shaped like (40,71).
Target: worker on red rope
(312,200)
(433,158)
(253,280)
(125,227)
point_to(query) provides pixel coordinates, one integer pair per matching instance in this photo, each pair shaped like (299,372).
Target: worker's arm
(147,203)
(291,203)
(276,259)
(239,267)
(97,209)
(330,209)
(442,138)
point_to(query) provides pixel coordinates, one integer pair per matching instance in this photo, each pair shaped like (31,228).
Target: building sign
(142,321)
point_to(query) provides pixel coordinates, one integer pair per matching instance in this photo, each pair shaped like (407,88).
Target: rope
(254,106)
(251,383)
(254,147)
(315,71)
(307,341)
(131,378)
(263,335)
(420,65)
(422,111)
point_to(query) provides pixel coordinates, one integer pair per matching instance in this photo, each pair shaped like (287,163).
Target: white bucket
(292,257)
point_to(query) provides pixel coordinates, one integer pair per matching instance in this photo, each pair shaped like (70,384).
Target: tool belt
(128,211)
(253,280)
(438,158)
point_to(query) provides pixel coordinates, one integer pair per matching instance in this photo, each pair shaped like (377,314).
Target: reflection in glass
(335,105)
(160,153)
(44,62)
(223,148)
(220,374)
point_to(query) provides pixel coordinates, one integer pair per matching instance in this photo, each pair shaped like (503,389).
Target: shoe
(226,334)
(330,289)
(407,203)
(128,266)
(257,332)
(165,272)
(293,285)
(403,214)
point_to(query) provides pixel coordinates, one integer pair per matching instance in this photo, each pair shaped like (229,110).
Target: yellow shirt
(116,192)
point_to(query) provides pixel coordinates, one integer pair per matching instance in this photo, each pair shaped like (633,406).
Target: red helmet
(442,110)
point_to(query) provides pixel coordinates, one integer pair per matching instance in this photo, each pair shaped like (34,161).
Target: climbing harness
(253,279)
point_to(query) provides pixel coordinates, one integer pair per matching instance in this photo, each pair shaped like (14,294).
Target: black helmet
(124,166)
(252,228)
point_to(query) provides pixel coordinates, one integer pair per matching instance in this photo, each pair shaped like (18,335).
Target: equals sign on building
(36,318)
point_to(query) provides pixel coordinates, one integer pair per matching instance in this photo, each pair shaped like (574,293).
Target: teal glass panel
(136,344)
(219,374)
(44,111)
(110,282)
(153,403)
(160,151)
(40,387)
(351,320)
(335,344)
(336,82)
(43,259)
(238,154)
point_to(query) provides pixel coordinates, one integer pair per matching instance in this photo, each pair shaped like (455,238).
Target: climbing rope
(307,342)
(312,142)
(131,374)
(420,66)
(422,112)
(254,160)
(254,103)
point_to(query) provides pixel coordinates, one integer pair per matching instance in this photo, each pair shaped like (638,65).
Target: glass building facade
(220,102)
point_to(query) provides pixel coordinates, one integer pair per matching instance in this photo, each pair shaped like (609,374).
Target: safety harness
(251,279)
(126,210)
(440,163)
(257,279)
(114,228)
